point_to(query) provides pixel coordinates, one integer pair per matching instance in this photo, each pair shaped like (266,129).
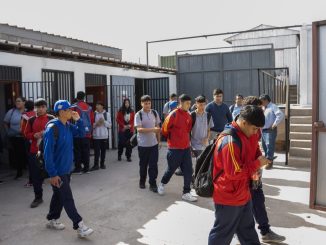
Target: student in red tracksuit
(233,161)
(177,127)
(34,131)
(125,119)
(82,145)
(29,106)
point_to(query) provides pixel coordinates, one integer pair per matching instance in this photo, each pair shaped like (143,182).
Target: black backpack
(40,163)
(204,180)
(194,116)
(133,140)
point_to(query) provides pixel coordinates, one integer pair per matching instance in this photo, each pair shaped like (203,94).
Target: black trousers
(148,158)
(124,138)
(36,175)
(81,152)
(99,150)
(62,198)
(18,154)
(230,220)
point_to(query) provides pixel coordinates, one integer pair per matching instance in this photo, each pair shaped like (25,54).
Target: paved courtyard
(121,213)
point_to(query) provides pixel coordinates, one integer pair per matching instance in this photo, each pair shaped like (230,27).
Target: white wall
(305,91)
(32,69)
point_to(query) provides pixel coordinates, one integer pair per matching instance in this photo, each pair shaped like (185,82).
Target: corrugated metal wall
(234,72)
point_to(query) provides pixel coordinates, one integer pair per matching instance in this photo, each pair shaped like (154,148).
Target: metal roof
(28,49)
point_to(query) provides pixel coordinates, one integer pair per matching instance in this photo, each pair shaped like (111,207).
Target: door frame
(317,127)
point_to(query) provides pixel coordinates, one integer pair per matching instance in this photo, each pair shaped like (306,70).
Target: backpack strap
(209,116)
(55,130)
(31,121)
(232,108)
(193,117)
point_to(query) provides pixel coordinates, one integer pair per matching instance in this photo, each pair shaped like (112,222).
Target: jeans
(176,158)
(99,149)
(81,152)
(259,209)
(230,220)
(148,158)
(36,175)
(268,140)
(62,198)
(124,137)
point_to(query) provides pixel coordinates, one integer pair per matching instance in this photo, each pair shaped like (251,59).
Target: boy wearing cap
(58,156)
(34,132)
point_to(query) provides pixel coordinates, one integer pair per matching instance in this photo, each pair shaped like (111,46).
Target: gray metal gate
(55,85)
(233,72)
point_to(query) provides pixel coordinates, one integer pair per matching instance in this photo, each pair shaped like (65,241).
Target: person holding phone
(58,156)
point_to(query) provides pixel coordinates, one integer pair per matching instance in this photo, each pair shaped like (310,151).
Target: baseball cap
(173,105)
(61,105)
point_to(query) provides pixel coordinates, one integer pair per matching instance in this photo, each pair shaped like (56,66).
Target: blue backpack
(85,115)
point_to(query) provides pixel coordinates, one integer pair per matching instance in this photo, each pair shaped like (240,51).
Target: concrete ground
(121,213)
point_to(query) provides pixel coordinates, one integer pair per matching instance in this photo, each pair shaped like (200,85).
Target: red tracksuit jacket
(177,127)
(238,165)
(121,121)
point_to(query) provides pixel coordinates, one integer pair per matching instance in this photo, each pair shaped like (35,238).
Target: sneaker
(129,159)
(272,237)
(55,225)
(83,230)
(36,202)
(95,167)
(153,188)
(28,185)
(160,189)
(86,171)
(103,166)
(142,185)
(77,171)
(189,198)
(178,172)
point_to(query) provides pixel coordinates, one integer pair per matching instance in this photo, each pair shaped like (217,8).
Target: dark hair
(251,100)
(22,98)
(173,95)
(239,95)
(29,105)
(252,114)
(200,99)
(265,97)
(100,103)
(124,109)
(184,97)
(80,95)
(40,102)
(145,98)
(217,91)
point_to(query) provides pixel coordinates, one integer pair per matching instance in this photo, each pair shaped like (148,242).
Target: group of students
(236,158)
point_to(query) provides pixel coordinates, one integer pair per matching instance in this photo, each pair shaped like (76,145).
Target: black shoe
(36,202)
(153,188)
(85,171)
(95,167)
(142,185)
(129,159)
(119,158)
(178,172)
(77,171)
(103,166)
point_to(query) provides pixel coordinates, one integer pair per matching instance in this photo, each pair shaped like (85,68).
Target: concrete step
(300,143)
(300,136)
(300,152)
(300,127)
(299,111)
(302,162)
(301,119)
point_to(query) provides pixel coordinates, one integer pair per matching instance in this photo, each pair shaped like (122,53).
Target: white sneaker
(160,189)
(188,197)
(55,225)
(83,230)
